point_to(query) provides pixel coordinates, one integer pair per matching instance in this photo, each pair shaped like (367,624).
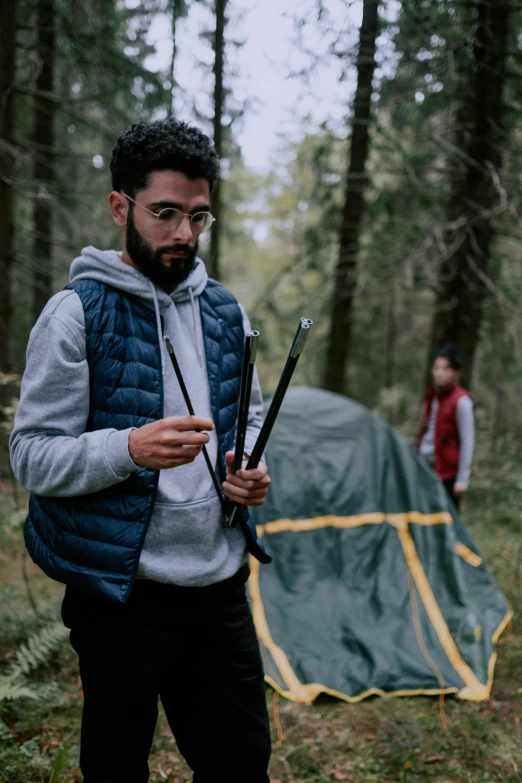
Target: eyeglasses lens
(170,219)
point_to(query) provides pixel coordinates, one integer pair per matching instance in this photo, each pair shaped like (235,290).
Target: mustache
(180,248)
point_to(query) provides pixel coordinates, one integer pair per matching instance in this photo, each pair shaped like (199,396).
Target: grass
(381,740)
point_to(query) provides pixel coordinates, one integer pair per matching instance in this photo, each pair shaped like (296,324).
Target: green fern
(31,654)
(37,649)
(9,690)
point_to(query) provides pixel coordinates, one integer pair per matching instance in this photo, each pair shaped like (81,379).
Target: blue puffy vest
(94,541)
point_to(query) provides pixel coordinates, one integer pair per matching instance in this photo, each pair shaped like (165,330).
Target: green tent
(376,587)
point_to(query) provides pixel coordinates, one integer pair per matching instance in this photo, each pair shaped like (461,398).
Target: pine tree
(43,146)
(8,17)
(218,104)
(339,342)
(479,140)
(89,84)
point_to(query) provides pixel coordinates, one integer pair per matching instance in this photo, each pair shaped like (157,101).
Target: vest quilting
(94,541)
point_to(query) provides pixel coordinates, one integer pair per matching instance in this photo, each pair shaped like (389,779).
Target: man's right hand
(169,442)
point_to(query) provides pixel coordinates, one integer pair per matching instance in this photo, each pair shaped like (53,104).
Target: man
(123,508)
(446,434)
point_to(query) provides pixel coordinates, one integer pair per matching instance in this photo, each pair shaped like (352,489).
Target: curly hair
(158,146)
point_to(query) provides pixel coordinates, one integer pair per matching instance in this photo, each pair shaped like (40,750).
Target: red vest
(447,442)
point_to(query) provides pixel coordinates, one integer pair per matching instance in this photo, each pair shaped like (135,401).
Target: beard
(150,261)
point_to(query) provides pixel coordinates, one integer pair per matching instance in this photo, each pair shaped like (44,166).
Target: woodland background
(396,229)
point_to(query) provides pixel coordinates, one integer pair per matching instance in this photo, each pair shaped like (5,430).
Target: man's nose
(183,232)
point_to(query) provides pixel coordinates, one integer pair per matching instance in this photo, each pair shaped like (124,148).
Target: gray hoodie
(52,455)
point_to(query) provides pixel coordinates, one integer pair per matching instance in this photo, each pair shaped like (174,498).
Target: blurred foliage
(280,229)
(100,87)
(424,72)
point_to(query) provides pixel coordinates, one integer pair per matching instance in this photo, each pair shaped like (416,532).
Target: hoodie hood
(107,267)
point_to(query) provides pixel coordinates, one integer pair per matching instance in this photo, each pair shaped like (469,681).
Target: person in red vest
(446,434)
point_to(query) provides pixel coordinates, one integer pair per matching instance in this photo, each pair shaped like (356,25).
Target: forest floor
(380,739)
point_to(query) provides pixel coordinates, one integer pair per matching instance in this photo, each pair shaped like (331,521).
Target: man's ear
(119,207)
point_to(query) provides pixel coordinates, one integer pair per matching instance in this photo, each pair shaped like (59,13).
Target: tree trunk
(391,339)
(339,342)
(219,98)
(178,10)
(174,22)
(7,167)
(43,142)
(462,278)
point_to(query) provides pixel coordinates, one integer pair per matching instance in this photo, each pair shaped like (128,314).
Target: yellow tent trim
(466,554)
(298,691)
(496,636)
(306,693)
(313,690)
(299,525)
(373,518)
(502,627)
(474,690)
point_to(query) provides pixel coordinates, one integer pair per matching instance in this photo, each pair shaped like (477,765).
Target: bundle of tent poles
(230,507)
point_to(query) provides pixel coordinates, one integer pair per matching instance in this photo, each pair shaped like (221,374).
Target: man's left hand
(248,487)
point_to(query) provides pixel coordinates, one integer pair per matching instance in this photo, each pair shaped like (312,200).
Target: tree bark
(178,10)
(7,168)
(391,339)
(340,337)
(219,99)
(462,278)
(43,141)
(174,22)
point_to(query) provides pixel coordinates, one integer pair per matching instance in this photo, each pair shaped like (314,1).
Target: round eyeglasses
(170,218)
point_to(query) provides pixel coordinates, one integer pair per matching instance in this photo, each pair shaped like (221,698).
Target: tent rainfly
(376,587)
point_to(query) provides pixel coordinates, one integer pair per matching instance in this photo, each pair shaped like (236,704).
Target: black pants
(197,650)
(449,484)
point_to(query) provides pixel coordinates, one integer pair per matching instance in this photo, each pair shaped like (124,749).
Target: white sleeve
(466,430)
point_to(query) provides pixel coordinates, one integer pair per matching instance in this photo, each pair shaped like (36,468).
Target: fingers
(243,493)
(248,487)
(169,442)
(190,438)
(254,474)
(249,483)
(181,455)
(187,423)
(245,497)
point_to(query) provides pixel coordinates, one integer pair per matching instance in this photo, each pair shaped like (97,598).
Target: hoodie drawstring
(158,325)
(194,324)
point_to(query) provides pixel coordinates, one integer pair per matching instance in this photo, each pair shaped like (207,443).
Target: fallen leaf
(433,759)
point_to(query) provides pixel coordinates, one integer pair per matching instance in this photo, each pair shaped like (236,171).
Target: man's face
(163,251)
(443,373)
